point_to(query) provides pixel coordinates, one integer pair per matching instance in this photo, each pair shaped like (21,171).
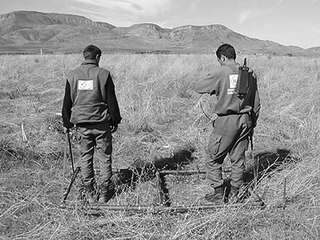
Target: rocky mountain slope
(29,31)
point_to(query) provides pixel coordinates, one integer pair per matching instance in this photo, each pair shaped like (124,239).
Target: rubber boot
(106,193)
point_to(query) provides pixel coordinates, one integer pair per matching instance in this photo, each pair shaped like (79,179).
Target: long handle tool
(70,148)
(73,178)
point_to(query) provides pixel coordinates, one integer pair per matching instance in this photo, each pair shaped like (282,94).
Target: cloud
(122,12)
(251,14)
(144,7)
(193,5)
(243,16)
(247,15)
(315,30)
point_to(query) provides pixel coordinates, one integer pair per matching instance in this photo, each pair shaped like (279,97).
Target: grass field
(162,125)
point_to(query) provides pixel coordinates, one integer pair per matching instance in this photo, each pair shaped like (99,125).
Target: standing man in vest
(237,116)
(90,103)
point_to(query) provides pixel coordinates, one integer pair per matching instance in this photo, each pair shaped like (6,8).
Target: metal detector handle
(70,148)
(73,178)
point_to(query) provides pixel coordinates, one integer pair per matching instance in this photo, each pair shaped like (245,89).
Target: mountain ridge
(56,32)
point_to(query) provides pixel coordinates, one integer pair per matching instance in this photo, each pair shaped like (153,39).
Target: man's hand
(113,128)
(251,132)
(69,131)
(66,130)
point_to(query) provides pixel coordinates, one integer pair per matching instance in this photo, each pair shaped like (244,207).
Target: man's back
(222,83)
(88,91)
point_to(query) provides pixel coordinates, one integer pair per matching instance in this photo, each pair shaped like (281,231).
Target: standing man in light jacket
(237,117)
(91,104)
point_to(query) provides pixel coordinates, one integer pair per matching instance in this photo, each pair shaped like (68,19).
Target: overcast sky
(289,22)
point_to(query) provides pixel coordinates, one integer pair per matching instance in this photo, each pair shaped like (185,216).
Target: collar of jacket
(233,65)
(90,61)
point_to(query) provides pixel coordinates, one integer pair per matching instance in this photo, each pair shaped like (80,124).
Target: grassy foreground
(162,124)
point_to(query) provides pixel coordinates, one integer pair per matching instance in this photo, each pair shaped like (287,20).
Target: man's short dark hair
(227,50)
(91,51)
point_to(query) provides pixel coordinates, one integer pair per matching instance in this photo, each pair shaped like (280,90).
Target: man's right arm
(207,84)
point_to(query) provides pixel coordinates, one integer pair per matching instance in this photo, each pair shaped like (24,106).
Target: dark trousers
(99,136)
(230,135)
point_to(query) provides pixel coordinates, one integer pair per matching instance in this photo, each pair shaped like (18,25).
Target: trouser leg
(220,143)
(87,143)
(104,151)
(237,161)
(237,153)
(216,155)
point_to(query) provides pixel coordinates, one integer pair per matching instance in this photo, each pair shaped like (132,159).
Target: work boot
(216,197)
(106,193)
(90,194)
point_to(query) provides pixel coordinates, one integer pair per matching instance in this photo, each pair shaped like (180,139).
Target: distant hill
(314,51)
(30,31)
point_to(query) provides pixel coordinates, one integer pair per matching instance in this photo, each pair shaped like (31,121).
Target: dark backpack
(242,87)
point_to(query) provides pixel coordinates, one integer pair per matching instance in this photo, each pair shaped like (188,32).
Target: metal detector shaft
(70,149)
(73,178)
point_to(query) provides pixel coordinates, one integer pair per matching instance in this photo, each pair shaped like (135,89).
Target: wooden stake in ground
(284,192)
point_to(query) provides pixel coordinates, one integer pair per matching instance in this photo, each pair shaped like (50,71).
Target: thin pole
(255,164)
(70,149)
(284,192)
(64,165)
(73,178)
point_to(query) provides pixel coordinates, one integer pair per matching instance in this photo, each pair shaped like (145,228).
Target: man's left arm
(66,108)
(256,102)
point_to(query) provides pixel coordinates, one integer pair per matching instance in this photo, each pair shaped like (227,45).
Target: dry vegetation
(162,123)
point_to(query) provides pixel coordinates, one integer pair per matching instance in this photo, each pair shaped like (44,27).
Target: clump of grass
(12,156)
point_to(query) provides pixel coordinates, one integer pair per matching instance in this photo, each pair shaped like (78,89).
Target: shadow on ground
(267,162)
(129,178)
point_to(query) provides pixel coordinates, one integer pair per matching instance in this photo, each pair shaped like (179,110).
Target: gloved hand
(66,130)
(69,131)
(252,132)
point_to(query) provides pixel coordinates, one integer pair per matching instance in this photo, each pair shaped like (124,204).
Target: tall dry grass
(161,116)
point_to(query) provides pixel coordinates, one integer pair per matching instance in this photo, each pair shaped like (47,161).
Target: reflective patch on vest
(233,83)
(85,84)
